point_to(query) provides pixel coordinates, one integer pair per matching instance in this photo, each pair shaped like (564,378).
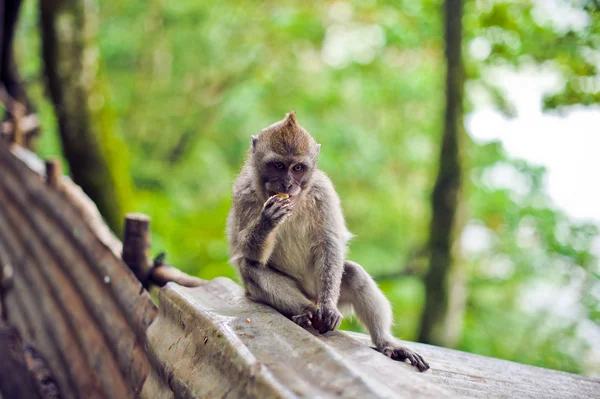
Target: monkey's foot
(401,353)
(304,319)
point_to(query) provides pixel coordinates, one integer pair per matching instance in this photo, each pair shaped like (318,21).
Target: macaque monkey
(287,236)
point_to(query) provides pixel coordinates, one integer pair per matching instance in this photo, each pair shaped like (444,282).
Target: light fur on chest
(292,252)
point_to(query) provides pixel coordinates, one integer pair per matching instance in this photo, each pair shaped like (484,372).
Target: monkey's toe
(303,320)
(401,353)
(418,361)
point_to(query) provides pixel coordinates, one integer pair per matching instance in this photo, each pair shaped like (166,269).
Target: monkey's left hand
(327,318)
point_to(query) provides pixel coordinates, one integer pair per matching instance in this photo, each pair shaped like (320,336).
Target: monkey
(290,249)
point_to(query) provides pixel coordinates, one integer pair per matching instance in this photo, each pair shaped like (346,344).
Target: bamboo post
(53,172)
(136,245)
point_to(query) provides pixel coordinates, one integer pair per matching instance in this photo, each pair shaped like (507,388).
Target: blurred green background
(183,84)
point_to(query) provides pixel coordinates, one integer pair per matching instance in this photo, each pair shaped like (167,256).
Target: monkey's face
(289,175)
(284,157)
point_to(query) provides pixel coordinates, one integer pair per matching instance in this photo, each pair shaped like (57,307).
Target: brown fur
(287,137)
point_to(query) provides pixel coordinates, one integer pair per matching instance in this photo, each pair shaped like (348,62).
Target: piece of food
(283,195)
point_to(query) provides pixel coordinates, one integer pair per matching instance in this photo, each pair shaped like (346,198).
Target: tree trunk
(96,159)
(20,112)
(9,76)
(441,321)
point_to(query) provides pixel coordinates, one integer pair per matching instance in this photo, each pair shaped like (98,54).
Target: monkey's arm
(329,262)
(329,252)
(255,241)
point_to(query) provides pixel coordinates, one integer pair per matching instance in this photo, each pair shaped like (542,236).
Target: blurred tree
(444,285)
(10,81)
(96,159)
(534,258)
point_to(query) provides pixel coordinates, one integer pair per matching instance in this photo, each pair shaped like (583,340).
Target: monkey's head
(284,158)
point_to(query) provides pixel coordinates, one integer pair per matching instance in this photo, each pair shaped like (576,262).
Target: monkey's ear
(254,140)
(290,118)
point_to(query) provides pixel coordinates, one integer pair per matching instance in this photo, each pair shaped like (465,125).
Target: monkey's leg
(373,309)
(281,292)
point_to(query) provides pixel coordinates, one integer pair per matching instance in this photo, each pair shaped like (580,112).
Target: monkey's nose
(286,186)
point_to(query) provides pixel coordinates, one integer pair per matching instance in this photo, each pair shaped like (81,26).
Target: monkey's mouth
(292,193)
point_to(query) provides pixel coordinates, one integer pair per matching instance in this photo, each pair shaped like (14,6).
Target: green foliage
(190,81)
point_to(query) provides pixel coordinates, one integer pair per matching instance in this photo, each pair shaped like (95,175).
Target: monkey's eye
(278,165)
(298,168)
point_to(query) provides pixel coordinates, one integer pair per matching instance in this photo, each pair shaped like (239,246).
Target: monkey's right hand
(327,318)
(276,210)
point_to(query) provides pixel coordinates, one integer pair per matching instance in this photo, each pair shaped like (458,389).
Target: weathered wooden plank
(55,323)
(96,294)
(135,302)
(99,355)
(37,330)
(83,206)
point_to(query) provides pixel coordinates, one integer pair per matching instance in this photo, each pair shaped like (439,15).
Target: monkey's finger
(283,203)
(280,205)
(275,206)
(278,200)
(275,199)
(271,201)
(287,205)
(281,213)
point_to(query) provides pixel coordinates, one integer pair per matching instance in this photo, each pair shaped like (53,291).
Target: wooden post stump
(136,245)
(53,172)
(18,110)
